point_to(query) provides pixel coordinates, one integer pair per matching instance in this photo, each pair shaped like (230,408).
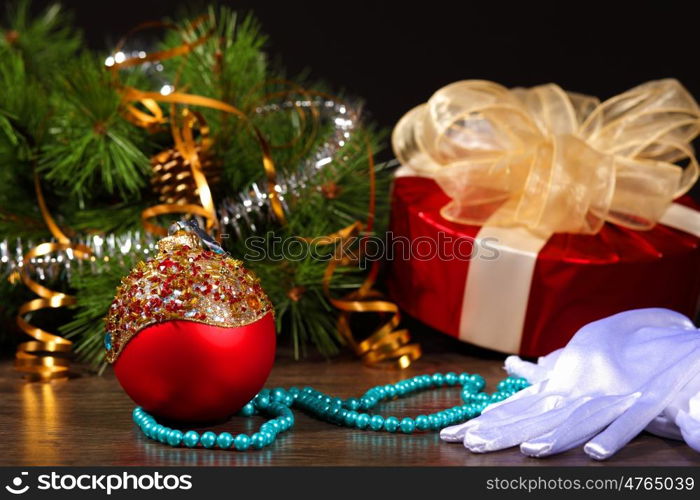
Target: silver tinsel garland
(239,215)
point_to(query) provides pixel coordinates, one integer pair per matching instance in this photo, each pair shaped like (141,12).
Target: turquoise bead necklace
(351,412)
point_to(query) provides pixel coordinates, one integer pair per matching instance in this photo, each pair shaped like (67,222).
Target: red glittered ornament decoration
(190,333)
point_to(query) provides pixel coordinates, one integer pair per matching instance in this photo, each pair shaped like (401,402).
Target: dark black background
(396,54)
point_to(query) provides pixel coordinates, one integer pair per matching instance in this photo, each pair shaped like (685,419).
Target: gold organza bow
(551,160)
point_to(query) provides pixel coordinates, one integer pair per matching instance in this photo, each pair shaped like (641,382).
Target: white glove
(679,420)
(614,378)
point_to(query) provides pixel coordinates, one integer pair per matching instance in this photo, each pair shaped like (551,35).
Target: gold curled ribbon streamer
(386,347)
(161,55)
(551,160)
(182,127)
(132,94)
(38,358)
(185,143)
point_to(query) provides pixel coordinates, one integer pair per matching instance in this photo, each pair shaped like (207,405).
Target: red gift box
(574,278)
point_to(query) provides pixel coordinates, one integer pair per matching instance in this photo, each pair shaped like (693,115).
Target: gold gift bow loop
(675,122)
(37,357)
(553,161)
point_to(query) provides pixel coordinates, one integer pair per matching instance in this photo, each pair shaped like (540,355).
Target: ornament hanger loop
(191,226)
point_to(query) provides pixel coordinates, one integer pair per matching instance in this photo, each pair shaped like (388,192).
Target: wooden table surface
(87,421)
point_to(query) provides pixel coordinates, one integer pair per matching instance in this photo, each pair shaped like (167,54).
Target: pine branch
(22,108)
(337,197)
(340,193)
(232,62)
(94,285)
(45,42)
(232,67)
(92,149)
(109,219)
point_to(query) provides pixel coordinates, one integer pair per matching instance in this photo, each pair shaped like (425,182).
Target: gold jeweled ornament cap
(184,281)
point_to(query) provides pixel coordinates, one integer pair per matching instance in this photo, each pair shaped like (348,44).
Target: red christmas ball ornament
(190,333)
